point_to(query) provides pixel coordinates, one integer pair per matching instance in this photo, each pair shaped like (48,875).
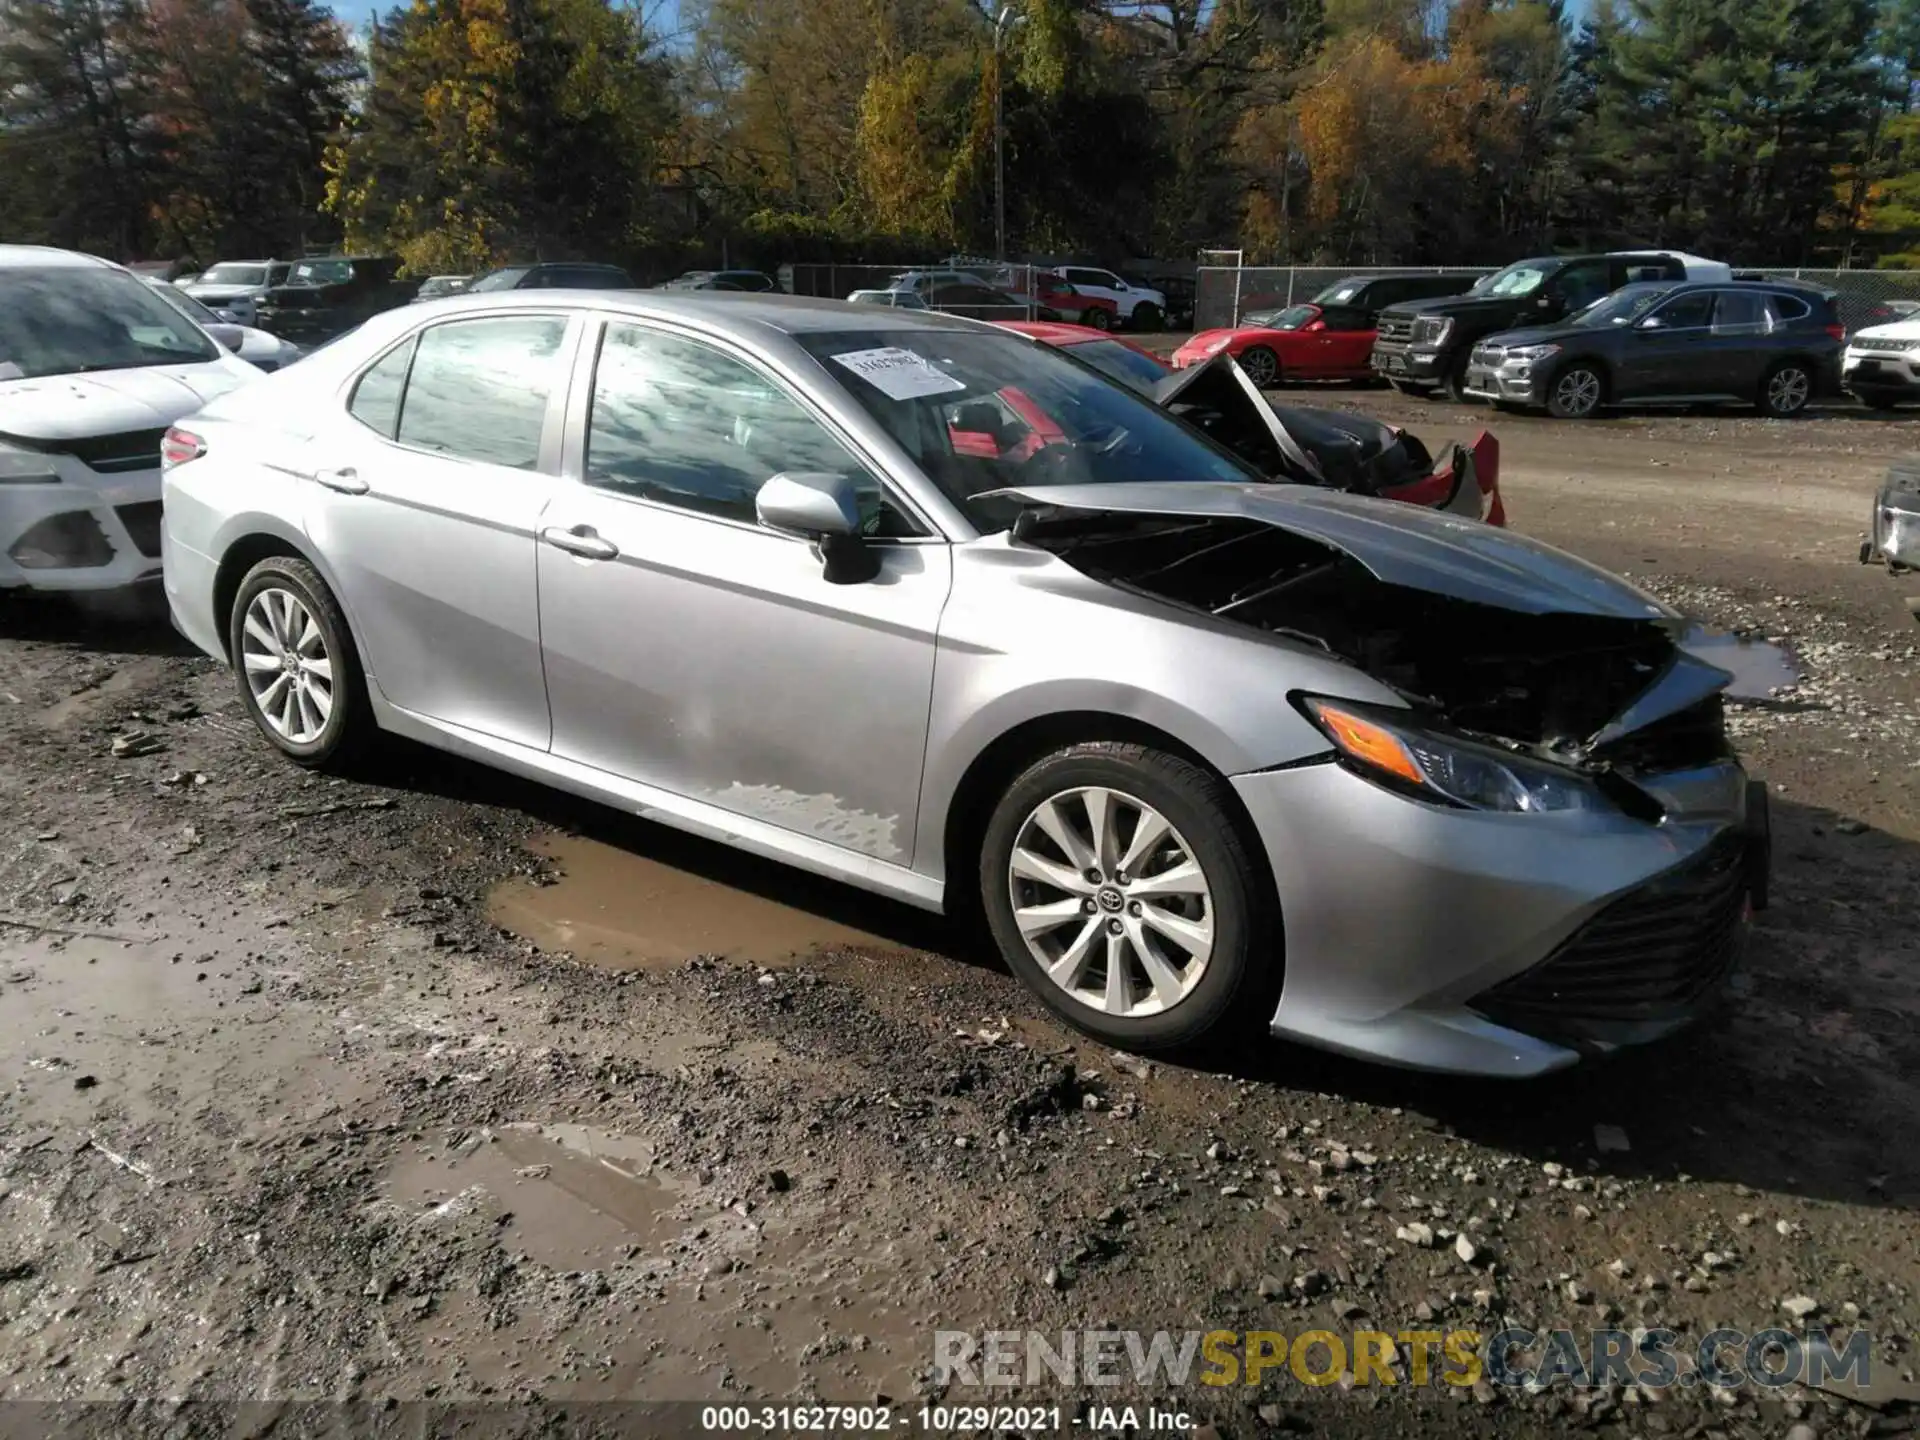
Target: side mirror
(826,509)
(1316,325)
(228,337)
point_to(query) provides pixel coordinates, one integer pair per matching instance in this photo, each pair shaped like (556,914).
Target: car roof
(46,257)
(740,313)
(1057,332)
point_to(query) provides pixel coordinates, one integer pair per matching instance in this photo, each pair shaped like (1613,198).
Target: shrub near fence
(1227,292)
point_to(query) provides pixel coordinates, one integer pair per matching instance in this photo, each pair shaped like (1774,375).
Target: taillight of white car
(179,446)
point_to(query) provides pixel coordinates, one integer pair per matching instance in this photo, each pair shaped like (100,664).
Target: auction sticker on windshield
(899,374)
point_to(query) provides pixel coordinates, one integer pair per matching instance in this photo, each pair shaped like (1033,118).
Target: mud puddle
(1758,667)
(571,1198)
(623,911)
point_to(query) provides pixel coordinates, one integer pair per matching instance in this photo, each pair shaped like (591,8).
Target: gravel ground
(287,1115)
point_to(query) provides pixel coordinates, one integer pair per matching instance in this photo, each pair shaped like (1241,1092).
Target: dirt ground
(443,1086)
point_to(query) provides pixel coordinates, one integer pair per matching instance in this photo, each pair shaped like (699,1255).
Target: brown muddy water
(624,911)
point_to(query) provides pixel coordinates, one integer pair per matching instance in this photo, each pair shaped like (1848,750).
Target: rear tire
(1786,391)
(296,667)
(1877,399)
(1191,928)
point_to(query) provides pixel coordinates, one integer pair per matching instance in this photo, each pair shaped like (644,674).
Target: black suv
(1773,344)
(327,296)
(1423,344)
(1370,294)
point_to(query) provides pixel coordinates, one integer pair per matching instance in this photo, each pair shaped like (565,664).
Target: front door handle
(581,540)
(346,480)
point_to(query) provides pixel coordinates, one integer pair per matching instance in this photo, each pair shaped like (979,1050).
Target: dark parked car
(323,297)
(754,281)
(1423,345)
(1775,345)
(553,276)
(1371,294)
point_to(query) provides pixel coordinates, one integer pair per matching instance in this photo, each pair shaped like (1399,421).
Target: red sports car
(1289,442)
(1302,342)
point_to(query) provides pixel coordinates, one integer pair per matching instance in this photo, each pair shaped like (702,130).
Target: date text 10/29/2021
(946,1419)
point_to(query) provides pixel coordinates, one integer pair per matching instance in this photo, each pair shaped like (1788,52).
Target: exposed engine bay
(1588,690)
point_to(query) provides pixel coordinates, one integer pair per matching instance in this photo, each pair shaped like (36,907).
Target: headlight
(1530,353)
(1213,347)
(23,467)
(1432,329)
(1445,768)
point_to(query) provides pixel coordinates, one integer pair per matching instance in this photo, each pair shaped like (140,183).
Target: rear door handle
(581,540)
(346,480)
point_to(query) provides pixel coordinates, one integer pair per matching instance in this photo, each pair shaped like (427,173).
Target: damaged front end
(1334,449)
(1491,638)
(1894,535)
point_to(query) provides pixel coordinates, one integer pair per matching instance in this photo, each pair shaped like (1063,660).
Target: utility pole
(1003,21)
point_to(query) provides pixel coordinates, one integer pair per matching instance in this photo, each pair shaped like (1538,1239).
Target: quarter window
(479,388)
(678,422)
(376,398)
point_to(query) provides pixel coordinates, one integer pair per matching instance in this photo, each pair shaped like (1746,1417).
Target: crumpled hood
(55,408)
(1404,545)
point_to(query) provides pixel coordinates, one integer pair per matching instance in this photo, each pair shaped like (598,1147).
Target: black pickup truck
(1423,345)
(325,297)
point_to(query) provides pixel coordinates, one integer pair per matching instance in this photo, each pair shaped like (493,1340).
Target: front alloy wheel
(1121,886)
(1576,393)
(1111,902)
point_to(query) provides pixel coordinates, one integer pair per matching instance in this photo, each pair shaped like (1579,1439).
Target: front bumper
(89,532)
(1885,372)
(1495,945)
(1505,382)
(1408,362)
(1894,527)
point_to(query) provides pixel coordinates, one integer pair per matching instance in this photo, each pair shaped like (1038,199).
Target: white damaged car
(93,369)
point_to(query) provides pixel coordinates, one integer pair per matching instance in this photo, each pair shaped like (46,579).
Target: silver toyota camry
(930,608)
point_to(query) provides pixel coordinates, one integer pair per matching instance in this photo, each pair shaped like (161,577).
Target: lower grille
(143,525)
(1651,954)
(73,541)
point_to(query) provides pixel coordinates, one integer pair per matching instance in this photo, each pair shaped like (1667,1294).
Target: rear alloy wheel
(1261,364)
(1786,391)
(1576,393)
(1120,890)
(299,677)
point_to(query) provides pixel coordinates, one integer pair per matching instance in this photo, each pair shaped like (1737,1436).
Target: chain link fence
(1225,293)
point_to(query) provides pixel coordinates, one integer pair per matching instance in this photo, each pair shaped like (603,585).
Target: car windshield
(234,275)
(505,279)
(1623,307)
(981,412)
(321,272)
(63,320)
(1123,363)
(1294,317)
(1521,278)
(185,303)
(1340,294)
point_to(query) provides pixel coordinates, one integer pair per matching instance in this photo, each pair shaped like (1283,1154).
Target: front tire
(1119,884)
(1098,319)
(294,662)
(1877,399)
(1786,390)
(1576,393)
(1262,366)
(1146,316)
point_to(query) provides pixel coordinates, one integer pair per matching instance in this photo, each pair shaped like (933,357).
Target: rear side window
(376,398)
(1787,309)
(1741,312)
(478,388)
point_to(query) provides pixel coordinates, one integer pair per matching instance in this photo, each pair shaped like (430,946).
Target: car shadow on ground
(122,622)
(1808,1084)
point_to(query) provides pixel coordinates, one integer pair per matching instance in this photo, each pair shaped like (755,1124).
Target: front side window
(678,422)
(229,273)
(1623,307)
(65,320)
(980,411)
(1686,312)
(478,388)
